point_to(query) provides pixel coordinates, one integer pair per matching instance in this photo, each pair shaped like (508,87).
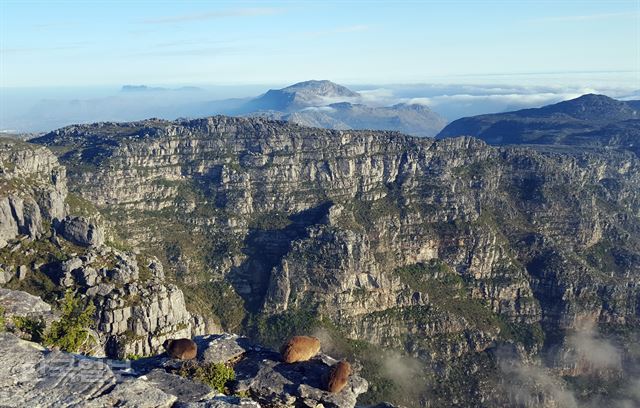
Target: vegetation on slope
(71,332)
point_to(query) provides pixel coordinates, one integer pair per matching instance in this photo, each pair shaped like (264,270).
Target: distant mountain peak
(302,95)
(591,100)
(325,104)
(321,88)
(589,107)
(592,97)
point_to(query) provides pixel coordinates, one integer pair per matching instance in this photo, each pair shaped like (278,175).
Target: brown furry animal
(339,376)
(182,349)
(300,348)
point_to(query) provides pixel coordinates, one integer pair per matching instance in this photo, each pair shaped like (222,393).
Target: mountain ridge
(584,121)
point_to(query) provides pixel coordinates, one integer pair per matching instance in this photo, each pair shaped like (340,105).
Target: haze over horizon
(459,58)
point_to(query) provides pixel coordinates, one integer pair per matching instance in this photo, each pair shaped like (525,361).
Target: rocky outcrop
(81,231)
(261,373)
(136,310)
(33,376)
(32,190)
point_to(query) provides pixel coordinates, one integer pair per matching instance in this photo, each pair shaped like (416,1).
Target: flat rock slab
(33,377)
(222,348)
(221,401)
(137,393)
(19,303)
(186,390)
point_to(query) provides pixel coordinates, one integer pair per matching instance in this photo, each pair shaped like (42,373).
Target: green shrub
(433,277)
(215,375)
(530,335)
(70,333)
(2,324)
(33,327)
(80,206)
(270,221)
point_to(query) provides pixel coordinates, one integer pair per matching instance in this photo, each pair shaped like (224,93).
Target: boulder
(81,231)
(23,270)
(18,303)
(184,389)
(5,275)
(222,348)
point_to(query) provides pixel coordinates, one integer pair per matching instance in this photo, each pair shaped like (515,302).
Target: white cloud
(591,351)
(319,109)
(534,385)
(378,96)
(508,99)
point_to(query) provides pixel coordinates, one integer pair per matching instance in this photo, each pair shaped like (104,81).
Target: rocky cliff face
(136,310)
(46,252)
(450,251)
(33,188)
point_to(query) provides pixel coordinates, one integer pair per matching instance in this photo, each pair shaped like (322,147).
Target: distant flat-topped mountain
(589,120)
(325,104)
(145,88)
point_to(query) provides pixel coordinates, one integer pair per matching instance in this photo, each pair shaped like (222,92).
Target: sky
(99,43)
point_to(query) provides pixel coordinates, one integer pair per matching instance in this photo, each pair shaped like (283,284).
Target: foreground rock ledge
(36,377)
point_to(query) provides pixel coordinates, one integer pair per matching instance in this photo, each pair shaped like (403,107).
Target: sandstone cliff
(449,251)
(47,252)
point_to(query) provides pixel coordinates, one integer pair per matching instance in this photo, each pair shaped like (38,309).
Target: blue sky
(93,43)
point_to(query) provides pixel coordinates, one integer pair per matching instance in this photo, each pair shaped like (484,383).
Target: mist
(26,110)
(588,370)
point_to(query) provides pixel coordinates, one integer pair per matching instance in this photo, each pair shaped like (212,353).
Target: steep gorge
(449,251)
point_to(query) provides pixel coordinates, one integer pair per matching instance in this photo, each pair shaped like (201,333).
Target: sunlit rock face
(47,252)
(32,189)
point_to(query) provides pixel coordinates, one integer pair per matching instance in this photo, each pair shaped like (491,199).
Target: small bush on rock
(30,326)
(215,375)
(71,332)
(2,325)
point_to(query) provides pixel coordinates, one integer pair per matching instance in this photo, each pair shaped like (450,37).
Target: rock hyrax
(183,349)
(300,348)
(339,376)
